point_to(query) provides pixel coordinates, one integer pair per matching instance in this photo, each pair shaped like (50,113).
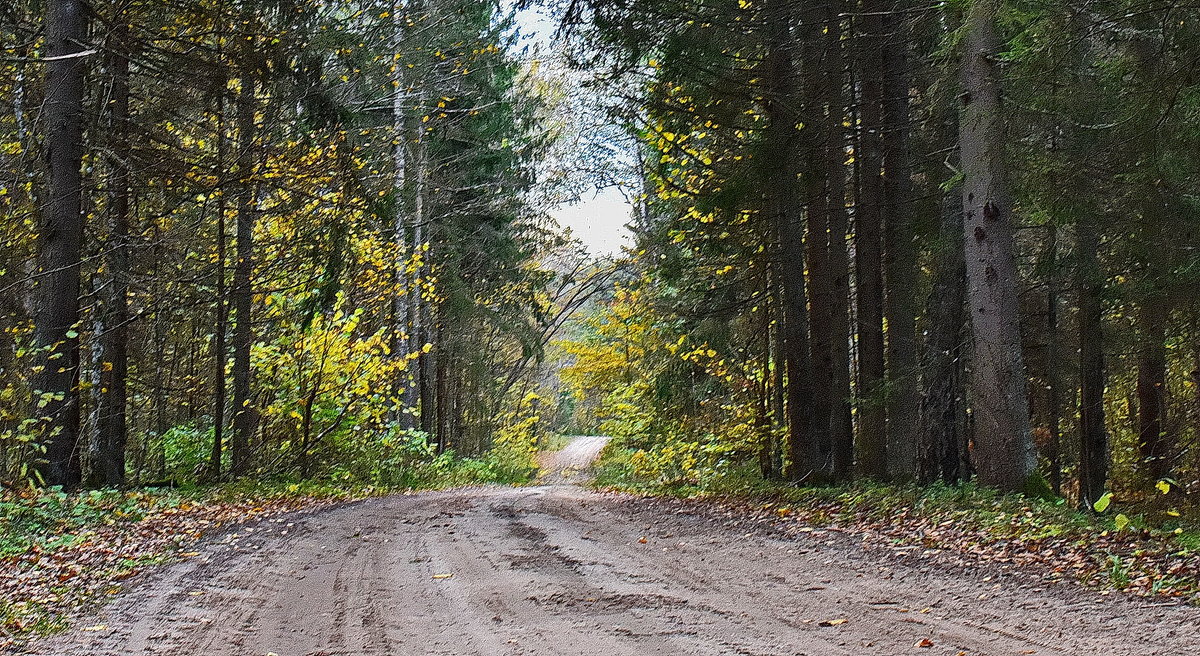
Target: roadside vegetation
(1146,548)
(61,552)
(926,273)
(855,265)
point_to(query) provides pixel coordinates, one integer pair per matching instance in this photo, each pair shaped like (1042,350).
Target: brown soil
(558,570)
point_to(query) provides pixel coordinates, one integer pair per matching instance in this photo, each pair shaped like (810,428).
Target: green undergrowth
(1132,546)
(52,519)
(1036,515)
(60,551)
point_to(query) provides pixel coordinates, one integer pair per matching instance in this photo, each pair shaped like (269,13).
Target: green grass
(1032,517)
(52,519)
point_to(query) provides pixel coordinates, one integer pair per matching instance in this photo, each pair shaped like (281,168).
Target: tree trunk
(1154,444)
(55,379)
(766,466)
(221,310)
(820,274)
(1195,378)
(442,396)
(114,341)
(1053,400)
(778,382)
(406,294)
(160,372)
(782,199)
(243,293)
(841,428)
(942,407)
(1093,438)
(425,396)
(904,396)
(868,248)
(1004,454)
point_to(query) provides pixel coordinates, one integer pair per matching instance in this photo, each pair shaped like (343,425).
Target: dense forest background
(291,238)
(880,240)
(921,275)
(903,241)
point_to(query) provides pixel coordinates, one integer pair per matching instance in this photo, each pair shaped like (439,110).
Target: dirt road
(559,570)
(571,464)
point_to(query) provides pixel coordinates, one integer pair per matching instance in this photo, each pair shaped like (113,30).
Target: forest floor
(557,569)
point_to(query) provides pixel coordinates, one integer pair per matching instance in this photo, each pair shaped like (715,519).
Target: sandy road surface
(558,570)
(571,464)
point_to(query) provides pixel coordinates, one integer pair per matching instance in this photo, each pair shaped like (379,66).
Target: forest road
(559,570)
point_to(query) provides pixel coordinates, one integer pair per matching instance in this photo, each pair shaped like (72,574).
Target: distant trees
(993,173)
(878,239)
(269,236)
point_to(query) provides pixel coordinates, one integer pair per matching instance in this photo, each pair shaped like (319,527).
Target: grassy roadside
(60,553)
(1151,555)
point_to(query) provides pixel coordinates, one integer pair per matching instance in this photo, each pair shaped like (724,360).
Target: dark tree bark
(766,464)
(1154,443)
(220,335)
(820,275)
(841,428)
(244,417)
(114,341)
(942,404)
(221,309)
(783,195)
(442,395)
(778,383)
(900,260)
(1053,399)
(868,218)
(1004,455)
(1093,438)
(1194,375)
(55,379)
(826,244)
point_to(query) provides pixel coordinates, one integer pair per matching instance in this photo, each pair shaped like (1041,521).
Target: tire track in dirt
(556,570)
